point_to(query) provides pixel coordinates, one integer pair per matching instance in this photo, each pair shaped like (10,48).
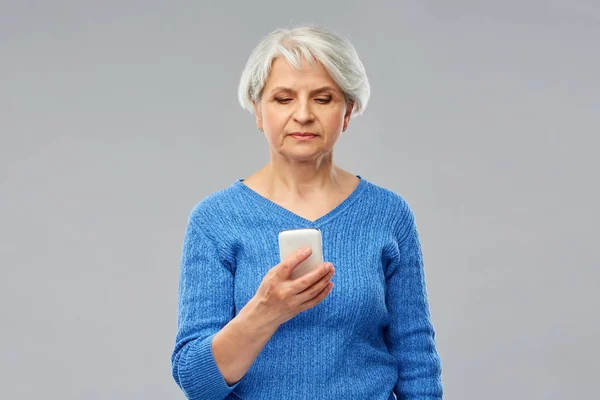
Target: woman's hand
(279,298)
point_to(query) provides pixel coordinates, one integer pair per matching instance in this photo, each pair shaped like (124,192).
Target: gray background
(117,117)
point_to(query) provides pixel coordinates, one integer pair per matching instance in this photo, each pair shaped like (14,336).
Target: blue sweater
(370,338)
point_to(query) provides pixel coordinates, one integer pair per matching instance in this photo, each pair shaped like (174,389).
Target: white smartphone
(291,240)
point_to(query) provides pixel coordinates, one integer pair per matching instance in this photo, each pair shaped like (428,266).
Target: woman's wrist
(257,320)
(236,346)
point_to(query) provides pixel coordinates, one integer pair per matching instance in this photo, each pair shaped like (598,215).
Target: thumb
(292,261)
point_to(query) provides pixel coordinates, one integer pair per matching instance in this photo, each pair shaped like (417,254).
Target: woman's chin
(304,154)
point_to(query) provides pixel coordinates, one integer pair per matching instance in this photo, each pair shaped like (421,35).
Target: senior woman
(246,330)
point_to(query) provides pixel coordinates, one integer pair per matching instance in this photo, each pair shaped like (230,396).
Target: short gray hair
(334,52)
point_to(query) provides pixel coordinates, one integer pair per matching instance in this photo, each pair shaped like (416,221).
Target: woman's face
(306,100)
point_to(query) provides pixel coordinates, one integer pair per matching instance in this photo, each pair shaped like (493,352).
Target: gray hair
(337,55)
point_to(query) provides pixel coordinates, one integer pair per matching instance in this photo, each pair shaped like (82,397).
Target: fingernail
(305,251)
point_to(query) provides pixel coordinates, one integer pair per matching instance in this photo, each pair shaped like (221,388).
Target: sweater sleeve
(205,305)
(410,335)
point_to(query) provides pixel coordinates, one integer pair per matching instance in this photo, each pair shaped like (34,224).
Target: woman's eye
(287,100)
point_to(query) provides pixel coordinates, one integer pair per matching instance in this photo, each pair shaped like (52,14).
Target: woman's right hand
(279,298)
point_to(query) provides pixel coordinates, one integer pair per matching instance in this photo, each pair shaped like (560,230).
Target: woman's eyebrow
(286,89)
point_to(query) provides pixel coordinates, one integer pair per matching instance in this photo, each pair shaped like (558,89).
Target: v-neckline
(284,212)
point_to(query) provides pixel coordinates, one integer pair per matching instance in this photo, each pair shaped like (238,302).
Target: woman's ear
(258,115)
(347,115)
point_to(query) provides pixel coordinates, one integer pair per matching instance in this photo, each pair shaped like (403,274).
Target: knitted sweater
(370,338)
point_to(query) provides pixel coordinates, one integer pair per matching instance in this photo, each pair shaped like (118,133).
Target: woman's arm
(236,346)
(214,348)
(410,335)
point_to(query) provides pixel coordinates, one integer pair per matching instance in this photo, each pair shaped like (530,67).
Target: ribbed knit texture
(370,338)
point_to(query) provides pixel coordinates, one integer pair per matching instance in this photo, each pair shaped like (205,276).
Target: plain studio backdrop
(117,117)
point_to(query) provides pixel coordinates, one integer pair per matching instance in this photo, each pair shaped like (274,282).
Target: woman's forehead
(285,76)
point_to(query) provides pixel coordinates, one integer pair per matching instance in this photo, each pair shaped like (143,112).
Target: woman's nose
(303,112)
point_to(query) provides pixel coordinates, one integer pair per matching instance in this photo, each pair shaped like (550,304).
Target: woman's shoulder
(215,203)
(388,198)
(394,205)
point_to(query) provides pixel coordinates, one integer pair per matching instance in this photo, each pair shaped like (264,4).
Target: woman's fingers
(305,281)
(283,298)
(286,266)
(318,298)
(315,289)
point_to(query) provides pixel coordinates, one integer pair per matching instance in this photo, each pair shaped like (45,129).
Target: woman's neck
(301,179)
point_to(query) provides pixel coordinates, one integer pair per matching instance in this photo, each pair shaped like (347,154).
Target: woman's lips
(303,135)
